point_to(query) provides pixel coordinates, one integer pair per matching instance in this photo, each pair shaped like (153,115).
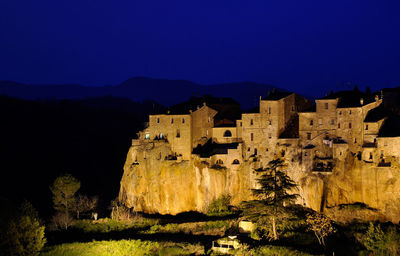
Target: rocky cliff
(151,184)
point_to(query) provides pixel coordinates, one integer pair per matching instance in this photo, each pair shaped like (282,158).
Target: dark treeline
(43,139)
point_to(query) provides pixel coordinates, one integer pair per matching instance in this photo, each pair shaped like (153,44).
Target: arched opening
(160,136)
(227,133)
(235,161)
(219,161)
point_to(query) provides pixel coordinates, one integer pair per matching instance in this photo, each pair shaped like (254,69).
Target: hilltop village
(342,149)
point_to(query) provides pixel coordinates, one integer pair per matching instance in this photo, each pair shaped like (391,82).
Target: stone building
(206,147)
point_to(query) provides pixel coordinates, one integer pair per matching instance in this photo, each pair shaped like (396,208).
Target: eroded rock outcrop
(151,183)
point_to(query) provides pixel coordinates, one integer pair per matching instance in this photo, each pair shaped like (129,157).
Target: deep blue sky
(298,45)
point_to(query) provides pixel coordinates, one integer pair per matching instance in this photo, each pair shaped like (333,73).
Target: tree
(84,204)
(321,225)
(25,233)
(273,197)
(64,189)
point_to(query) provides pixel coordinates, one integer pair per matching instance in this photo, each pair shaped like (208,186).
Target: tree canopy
(273,194)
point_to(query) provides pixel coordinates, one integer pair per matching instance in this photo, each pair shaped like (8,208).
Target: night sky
(297,45)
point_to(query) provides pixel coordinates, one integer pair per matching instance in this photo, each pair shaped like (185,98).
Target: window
(147,136)
(160,136)
(209,119)
(349,125)
(172,120)
(308,136)
(326,105)
(227,133)
(251,122)
(269,135)
(219,161)
(350,112)
(240,124)
(248,149)
(183,120)
(178,133)
(370,156)
(255,151)
(158,120)
(235,161)
(206,132)
(292,108)
(270,122)
(269,110)
(382,154)
(355,140)
(311,122)
(366,127)
(338,125)
(332,121)
(251,136)
(340,113)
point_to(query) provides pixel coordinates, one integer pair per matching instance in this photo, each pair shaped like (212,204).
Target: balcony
(369,145)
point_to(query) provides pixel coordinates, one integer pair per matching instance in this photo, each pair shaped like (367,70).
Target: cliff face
(152,184)
(173,186)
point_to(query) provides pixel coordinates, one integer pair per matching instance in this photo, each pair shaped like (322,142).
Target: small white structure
(226,244)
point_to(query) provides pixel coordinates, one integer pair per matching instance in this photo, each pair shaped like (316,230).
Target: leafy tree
(25,233)
(273,197)
(64,189)
(321,225)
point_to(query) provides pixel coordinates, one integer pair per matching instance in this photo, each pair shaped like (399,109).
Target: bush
(219,205)
(61,220)
(108,225)
(381,243)
(25,236)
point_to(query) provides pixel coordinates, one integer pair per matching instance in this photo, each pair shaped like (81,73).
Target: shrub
(25,236)
(219,205)
(381,243)
(61,220)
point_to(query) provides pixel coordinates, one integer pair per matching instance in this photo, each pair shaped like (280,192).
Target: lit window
(147,136)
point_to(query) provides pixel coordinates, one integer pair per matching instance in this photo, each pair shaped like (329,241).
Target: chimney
(362,101)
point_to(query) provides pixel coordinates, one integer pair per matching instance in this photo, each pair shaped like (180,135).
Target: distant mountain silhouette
(164,91)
